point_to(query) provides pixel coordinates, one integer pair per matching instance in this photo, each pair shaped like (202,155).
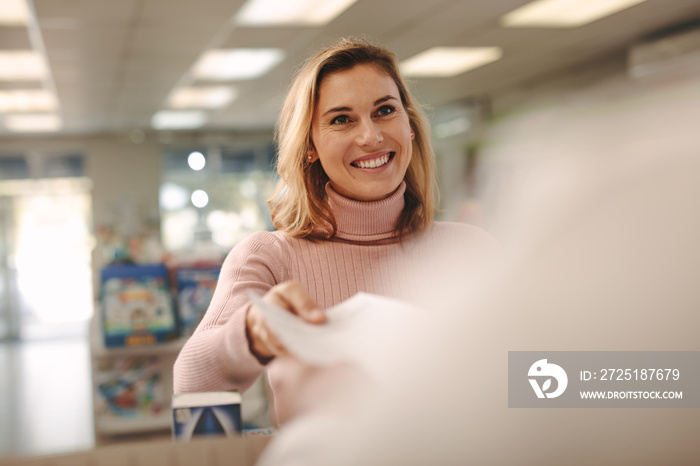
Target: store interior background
(105,180)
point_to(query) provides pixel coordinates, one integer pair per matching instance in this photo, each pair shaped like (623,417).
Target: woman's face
(361,133)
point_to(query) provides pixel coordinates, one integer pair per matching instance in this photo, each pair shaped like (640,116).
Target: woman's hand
(291,296)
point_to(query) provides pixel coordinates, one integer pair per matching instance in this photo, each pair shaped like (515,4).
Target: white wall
(125,176)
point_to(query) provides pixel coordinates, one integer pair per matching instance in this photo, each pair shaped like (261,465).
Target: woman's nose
(369,134)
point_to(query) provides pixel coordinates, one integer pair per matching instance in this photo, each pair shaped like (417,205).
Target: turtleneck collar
(366,221)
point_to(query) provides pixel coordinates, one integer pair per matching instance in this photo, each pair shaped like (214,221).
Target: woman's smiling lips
(373,161)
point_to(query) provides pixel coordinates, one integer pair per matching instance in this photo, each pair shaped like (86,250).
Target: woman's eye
(385,110)
(340,120)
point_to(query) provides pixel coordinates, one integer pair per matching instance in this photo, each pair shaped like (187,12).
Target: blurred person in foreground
(608,261)
(354,211)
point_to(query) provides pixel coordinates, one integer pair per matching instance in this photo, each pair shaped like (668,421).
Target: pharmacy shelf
(108,426)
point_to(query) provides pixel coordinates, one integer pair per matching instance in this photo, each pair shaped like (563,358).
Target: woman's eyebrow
(336,110)
(381,100)
(385,99)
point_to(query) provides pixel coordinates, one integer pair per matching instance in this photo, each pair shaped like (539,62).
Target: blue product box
(137,307)
(195,288)
(206,414)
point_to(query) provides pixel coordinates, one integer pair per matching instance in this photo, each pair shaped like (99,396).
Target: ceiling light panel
(291,13)
(27,100)
(22,65)
(449,61)
(202,97)
(37,123)
(236,64)
(564,13)
(14,12)
(178,119)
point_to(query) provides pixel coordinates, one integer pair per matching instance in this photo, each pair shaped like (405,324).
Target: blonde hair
(299,205)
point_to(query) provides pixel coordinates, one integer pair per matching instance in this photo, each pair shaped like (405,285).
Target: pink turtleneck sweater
(362,256)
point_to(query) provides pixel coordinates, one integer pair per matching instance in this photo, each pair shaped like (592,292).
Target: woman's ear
(312,155)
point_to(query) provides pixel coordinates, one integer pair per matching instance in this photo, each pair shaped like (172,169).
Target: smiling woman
(304,181)
(354,210)
(361,133)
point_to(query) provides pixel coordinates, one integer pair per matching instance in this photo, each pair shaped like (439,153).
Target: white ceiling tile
(14,38)
(86,43)
(189,9)
(87,9)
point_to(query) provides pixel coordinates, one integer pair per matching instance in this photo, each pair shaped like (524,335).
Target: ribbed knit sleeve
(217,356)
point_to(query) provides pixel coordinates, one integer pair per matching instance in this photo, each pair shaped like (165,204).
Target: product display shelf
(142,375)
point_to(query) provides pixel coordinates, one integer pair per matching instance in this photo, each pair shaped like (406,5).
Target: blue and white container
(206,414)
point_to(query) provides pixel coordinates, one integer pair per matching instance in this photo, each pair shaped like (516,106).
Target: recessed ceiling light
(196,161)
(33,123)
(564,13)
(22,65)
(286,12)
(27,100)
(202,97)
(232,64)
(14,12)
(200,198)
(449,61)
(178,119)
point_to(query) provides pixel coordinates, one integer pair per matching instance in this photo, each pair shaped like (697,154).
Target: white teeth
(374,163)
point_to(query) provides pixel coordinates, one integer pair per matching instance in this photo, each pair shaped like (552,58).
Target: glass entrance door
(46,258)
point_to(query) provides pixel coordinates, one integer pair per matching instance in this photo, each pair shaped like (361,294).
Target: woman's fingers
(263,342)
(293,296)
(274,346)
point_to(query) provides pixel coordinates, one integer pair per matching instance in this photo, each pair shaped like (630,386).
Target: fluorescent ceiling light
(29,100)
(225,65)
(564,13)
(33,123)
(287,12)
(178,119)
(14,12)
(449,61)
(22,65)
(202,97)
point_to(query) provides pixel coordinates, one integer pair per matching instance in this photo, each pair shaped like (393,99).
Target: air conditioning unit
(673,52)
